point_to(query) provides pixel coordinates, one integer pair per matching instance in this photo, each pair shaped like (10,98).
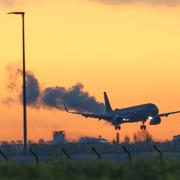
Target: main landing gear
(117,127)
(143,126)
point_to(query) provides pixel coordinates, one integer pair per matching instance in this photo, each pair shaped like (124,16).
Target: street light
(24,82)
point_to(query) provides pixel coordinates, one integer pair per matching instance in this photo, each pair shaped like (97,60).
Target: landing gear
(143,127)
(117,127)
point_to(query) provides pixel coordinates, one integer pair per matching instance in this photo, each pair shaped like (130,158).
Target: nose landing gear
(117,127)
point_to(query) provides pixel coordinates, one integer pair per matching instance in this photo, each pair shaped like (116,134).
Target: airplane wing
(167,114)
(89,115)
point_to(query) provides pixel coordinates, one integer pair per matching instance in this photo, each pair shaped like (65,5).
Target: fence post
(159,152)
(65,153)
(149,146)
(97,153)
(128,153)
(35,156)
(4,155)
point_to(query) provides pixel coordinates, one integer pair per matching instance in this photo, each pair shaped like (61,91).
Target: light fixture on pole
(24,81)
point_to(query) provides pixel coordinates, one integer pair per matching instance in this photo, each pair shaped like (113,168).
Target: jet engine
(155,121)
(116,120)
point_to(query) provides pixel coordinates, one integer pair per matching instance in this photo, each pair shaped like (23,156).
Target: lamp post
(24,82)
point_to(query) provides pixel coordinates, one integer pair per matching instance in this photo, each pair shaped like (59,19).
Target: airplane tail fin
(106,102)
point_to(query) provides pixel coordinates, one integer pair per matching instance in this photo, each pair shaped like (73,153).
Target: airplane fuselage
(135,113)
(132,114)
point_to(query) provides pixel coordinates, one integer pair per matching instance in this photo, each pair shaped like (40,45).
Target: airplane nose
(156,109)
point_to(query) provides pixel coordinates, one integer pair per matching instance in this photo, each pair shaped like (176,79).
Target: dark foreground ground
(141,161)
(139,169)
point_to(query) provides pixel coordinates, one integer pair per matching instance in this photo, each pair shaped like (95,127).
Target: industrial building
(59,137)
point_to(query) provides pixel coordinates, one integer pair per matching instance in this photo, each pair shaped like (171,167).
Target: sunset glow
(129,50)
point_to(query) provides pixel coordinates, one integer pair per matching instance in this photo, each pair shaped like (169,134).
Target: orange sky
(131,51)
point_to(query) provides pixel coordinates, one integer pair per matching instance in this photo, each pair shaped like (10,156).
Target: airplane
(132,114)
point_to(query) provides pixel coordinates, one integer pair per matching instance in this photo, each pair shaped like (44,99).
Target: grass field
(94,169)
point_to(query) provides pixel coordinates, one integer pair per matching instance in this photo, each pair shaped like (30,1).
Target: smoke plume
(74,97)
(8,2)
(148,2)
(13,74)
(51,97)
(17,3)
(14,85)
(33,90)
